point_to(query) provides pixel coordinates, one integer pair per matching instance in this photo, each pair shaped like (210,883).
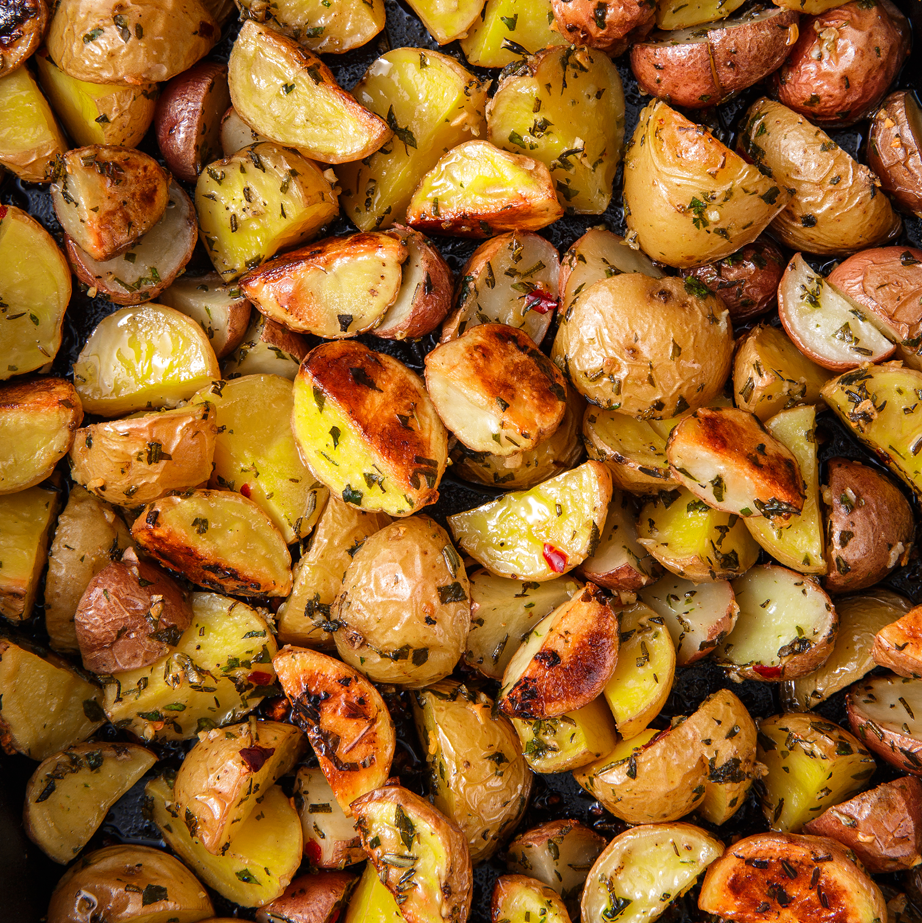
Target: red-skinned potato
(882,713)
(895,149)
(844,62)
(22,25)
(188,119)
(314,898)
(611,27)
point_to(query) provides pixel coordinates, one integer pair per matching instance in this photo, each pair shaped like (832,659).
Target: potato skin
(895,149)
(844,61)
(610,27)
(21,30)
(898,646)
(313,898)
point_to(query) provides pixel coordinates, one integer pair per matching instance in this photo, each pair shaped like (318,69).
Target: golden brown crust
(898,645)
(22,26)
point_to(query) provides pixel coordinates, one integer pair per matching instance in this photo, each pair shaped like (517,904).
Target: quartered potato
(610,28)
(140,358)
(688,199)
(291,97)
(129,884)
(431,103)
(21,33)
(259,862)
(145,456)
(540,533)
(70,706)
(217,672)
(477,190)
(37,423)
(70,794)
(29,154)
(403,612)
(495,390)
(420,856)
(447,21)
(221,310)
(643,870)
(578,131)
(217,539)
(319,896)
(882,712)
(507,29)
(897,645)
(27,518)
(510,279)
(337,287)
(274,198)
(267,348)
(34,293)
(330,838)
(811,764)
(345,718)
(367,429)
(517,897)
(479,777)
(569,741)
(256,455)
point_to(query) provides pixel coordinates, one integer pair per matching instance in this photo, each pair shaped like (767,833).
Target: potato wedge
(70,793)
(368,430)
(37,423)
(895,149)
(523,536)
(881,711)
(313,898)
(21,33)
(517,897)
(35,293)
(401,831)
(447,21)
(30,155)
(337,287)
(330,838)
(345,719)
(526,26)
(263,180)
(642,870)
(371,900)
(267,348)
(896,645)
(217,539)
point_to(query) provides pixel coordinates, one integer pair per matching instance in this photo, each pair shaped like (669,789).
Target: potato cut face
(143,357)
(267,348)
(495,390)
(70,709)
(372,901)
(579,135)
(528,23)
(70,793)
(698,615)
(896,645)
(35,293)
(260,861)
(336,288)
(344,718)
(257,456)
(228,648)
(674,14)
(366,426)
(27,518)
(481,780)
(523,536)
(447,20)
(882,712)
(643,870)
(261,199)
(291,97)
(477,190)
(517,897)
(218,540)
(330,838)
(812,765)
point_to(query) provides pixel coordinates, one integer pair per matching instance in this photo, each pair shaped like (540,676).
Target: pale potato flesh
(517,897)
(330,838)
(447,20)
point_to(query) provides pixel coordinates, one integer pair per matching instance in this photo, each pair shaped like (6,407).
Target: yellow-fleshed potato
(540,533)
(88,536)
(477,190)
(103,41)
(21,33)
(34,293)
(372,901)
(330,838)
(259,200)
(256,456)
(70,710)
(401,831)
(337,287)
(140,358)
(70,793)
(677,14)
(403,612)
(147,455)
(507,29)
(217,539)
(27,518)
(447,21)
(218,671)
(30,138)
(495,390)
(367,428)
(267,348)
(345,719)
(681,362)
(130,884)
(480,778)
(37,423)
(517,897)
(688,199)
(578,133)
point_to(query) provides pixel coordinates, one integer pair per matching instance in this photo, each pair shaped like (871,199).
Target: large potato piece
(21,32)
(403,612)
(895,149)
(37,423)
(660,373)
(103,41)
(687,198)
(836,206)
(507,29)
(30,138)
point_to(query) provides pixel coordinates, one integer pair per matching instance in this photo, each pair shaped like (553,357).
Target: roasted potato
(895,149)
(882,712)
(610,28)
(677,14)
(529,24)
(517,897)
(313,898)
(267,348)
(29,154)
(330,838)
(896,645)
(21,33)
(371,900)
(447,21)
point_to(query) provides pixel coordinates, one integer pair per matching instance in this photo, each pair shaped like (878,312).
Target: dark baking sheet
(27,877)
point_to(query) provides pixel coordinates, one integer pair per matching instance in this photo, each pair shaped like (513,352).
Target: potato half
(882,712)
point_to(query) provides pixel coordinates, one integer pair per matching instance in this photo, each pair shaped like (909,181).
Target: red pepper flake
(3,211)
(255,757)
(556,559)
(258,678)
(245,490)
(313,852)
(541,301)
(767,672)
